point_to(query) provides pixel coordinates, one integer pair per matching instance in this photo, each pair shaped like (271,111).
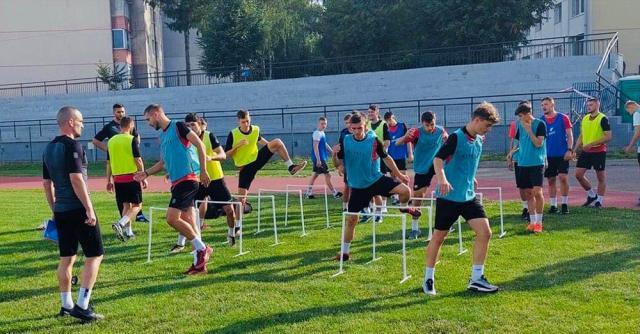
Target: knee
(276,143)
(484,234)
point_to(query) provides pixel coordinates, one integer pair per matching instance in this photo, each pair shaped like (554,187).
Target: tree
(231,36)
(257,33)
(112,77)
(185,15)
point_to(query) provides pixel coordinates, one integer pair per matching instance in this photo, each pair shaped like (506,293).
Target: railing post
(21,92)
(96,84)
(325,111)
(282,116)
(444,111)
(15,135)
(40,126)
(66,86)
(44,84)
(419,112)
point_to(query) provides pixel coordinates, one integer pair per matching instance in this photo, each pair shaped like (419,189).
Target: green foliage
(256,33)
(184,14)
(112,75)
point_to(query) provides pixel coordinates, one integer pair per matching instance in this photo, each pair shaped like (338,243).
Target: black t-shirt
(604,124)
(541,131)
(379,148)
(183,130)
(64,156)
(229,144)
(214,140)
(111,129)
(385,129)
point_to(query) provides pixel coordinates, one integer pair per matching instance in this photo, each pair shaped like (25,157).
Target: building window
(578,45)
(120,39)
(558,51)
(538,26)
(557,13)
(577,7)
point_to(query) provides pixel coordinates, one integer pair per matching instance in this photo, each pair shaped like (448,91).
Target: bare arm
(603,140)
(49,192)
(263,141)
(100,145)
(316,150)
(634,139)
(220,155)
(395,172)
(80,189)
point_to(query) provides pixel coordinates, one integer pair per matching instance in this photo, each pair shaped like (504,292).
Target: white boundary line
(326,197)
(286,208)
(239,204)
(405,277)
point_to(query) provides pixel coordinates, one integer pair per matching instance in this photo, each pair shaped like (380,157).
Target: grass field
(580,276)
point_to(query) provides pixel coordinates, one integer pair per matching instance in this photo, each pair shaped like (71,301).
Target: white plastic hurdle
(461,249)
(403,217)
(273,213)
(326,197)
(500,203)
(238,204)
(286,208)
(431,211)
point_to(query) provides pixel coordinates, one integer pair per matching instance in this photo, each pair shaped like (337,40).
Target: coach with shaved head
(64,170)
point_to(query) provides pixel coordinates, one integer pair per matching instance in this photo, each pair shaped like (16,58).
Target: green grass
(580,276)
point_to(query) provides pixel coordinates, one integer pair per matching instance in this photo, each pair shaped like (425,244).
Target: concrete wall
(173,48)
(53,39)
(295,125)
(621,16)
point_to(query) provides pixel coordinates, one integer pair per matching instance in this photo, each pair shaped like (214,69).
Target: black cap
(388,115)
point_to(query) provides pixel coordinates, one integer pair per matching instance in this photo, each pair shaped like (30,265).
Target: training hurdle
(239,205)
(273,214)
(430,207)
(500,203)
(286,208)
(403,217)
(326,197)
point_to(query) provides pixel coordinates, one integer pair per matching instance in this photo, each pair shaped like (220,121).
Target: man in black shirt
(109,130)
(64,173)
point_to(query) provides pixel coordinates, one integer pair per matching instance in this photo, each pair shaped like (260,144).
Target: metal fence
(24,140)
(594,44)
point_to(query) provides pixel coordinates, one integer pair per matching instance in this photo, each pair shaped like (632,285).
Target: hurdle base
(304,235)
(276,244)
(463,251)
(405,279)
(258,232)
(374,260)
(338,273)
(502,235)
(240,254)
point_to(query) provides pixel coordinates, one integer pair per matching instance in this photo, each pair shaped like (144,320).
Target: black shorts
(360,198)
(556,165)
(217,191)
(529,177)
(248,172)
(324,169)
(516,169)
(423,180)
(73,230)
(183,195)
(447,212)
(595,160)
(128,192)
(400,163)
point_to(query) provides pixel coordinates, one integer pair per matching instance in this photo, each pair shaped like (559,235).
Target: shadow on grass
(393,302)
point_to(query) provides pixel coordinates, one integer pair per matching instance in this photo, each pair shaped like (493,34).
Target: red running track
(614,198)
